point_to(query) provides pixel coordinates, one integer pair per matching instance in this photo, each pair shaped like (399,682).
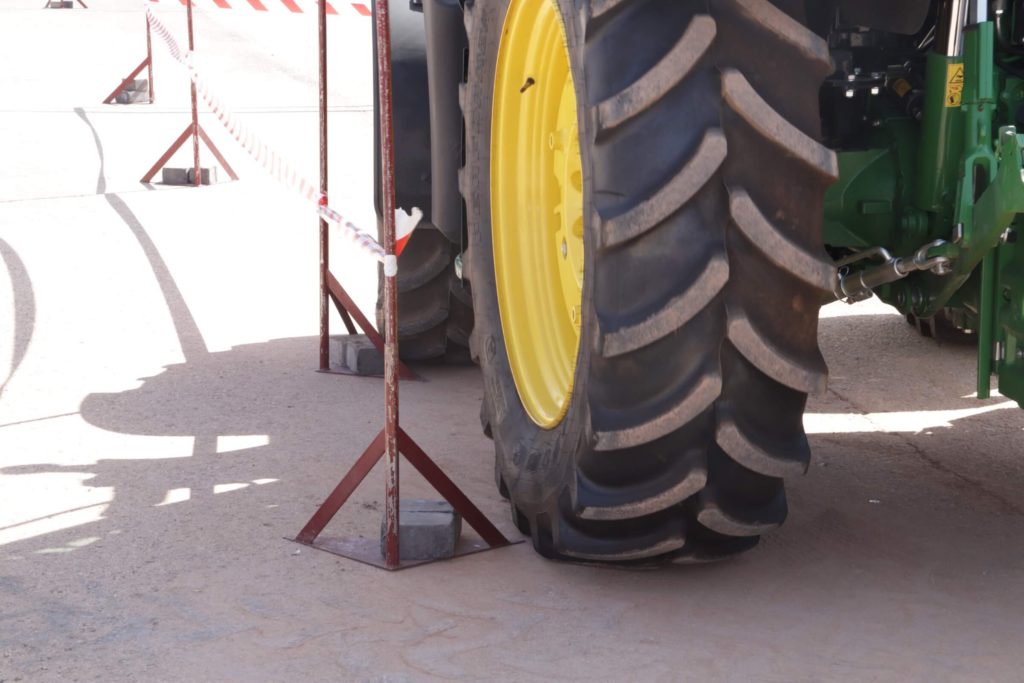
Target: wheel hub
(537,207)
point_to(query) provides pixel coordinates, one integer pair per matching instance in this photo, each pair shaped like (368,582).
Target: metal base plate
(367,550)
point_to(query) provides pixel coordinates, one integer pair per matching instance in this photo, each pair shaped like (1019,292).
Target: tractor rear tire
(435,306)
(703,189)
(436,315)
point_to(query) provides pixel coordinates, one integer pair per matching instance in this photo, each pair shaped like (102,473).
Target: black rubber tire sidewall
(540,465)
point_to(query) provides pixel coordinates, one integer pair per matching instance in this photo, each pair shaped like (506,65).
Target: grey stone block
(186,176)
(61,4)
(427,530)
(356,353)
(138,85)
(132,96)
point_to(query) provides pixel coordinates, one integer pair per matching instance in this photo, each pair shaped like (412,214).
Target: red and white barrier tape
(360,8)
(272,162)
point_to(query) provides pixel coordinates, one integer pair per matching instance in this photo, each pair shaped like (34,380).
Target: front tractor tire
(665,431)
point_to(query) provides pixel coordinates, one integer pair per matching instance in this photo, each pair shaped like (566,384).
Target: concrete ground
(162,431)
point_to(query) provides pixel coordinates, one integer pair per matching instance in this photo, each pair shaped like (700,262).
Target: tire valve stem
(529,84)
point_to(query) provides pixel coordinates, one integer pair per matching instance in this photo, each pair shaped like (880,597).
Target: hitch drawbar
(853,286)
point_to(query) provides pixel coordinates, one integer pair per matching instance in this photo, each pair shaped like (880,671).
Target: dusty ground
(162,431)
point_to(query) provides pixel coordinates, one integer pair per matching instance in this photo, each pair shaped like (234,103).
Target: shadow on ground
(257,415)
(914,515)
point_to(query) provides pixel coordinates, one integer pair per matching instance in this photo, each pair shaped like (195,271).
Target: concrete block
(427,530)
(186,176)
(356,353)
(61,4)
(132,96)
(138,85)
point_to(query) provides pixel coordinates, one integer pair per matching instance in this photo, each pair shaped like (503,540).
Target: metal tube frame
(149,63)
(391,489)
(146,63)
(392,441)
(330,289)
(195,106)
(194,130)
(325,322)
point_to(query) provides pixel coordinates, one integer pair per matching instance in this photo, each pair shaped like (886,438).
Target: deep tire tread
(652,211)
(434,324)
(676,313)
(741,97)
(816,271)
(655,84)
(687,459)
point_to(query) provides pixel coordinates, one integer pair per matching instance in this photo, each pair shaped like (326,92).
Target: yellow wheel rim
(537,207)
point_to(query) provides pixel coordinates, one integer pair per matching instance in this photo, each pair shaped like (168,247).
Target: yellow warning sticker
(954,85)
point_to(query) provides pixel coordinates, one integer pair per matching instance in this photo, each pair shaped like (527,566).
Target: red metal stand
(351,316)
(367,550)
(330,288)
(147,63)
(392,440)
(194,130)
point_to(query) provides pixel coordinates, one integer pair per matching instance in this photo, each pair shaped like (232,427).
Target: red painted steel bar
(194,130)
(325,321)
(149,63)
(127,81)
(392,442)
(217,155)
(382,21)
(342,303)
(341,493)
(447,488)
(168,154)
(345,317)
(346,306)
(195,105)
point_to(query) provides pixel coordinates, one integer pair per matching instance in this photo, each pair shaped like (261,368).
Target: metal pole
(149,59)
(383,36)
(986,326)
(195,107)
(952,21)
(325,322)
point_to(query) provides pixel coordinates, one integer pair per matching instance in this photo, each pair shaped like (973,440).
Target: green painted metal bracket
(998,206)
(953,182)
(978,167)
(1003,199)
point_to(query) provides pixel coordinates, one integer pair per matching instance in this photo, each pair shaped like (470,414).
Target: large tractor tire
(435,307)
(644,192)
(436,313)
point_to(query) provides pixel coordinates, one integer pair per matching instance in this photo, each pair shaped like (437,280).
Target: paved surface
(162,431)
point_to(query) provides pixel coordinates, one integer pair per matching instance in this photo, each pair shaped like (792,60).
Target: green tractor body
(635,209)
(934,163)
